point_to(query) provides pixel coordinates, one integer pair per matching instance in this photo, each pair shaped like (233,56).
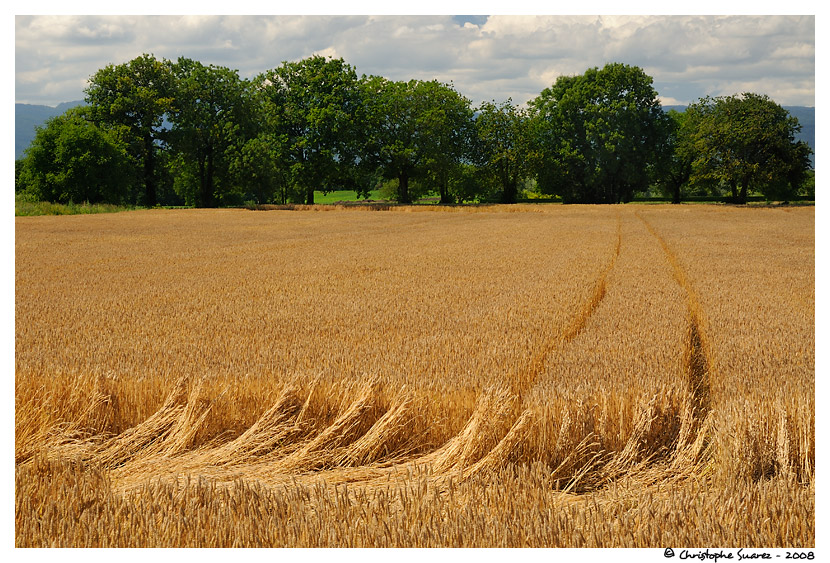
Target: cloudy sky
(486,57)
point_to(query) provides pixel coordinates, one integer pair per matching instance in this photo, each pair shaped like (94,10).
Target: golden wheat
(753,273)
(549,377)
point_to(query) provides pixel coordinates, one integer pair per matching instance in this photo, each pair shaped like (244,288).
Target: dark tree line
(180,132)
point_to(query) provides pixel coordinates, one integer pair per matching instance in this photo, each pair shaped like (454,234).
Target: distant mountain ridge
(27,117)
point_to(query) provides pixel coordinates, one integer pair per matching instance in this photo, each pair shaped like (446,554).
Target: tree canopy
(314,105)
(503,146)
(211,119)
(597,134)
(73,160)
(136,95)
(415,129)
(746,142)
(673,162)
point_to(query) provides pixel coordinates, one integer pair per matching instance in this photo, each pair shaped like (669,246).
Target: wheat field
(505,376)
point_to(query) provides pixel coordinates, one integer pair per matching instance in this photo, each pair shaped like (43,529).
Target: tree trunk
(209,182)
(444,192)
(733,185)
(509,193)
(149,177)
(201,202)
(509,186)
(611,193)
(206,181)
(403,188)
(309,196)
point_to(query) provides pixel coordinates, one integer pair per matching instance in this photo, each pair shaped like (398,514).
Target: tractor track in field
(697,357)
(577,324)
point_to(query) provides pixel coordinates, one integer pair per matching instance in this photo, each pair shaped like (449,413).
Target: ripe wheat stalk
(578,375)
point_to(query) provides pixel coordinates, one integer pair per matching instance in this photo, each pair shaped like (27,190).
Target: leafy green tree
(391,116)
(261,167)
(73,160)
(314,105)
(673,165)
(136,95)
(211,120)
(470,183)
(598,134)
(747,142)
(503,145)
(416,131)
(808,186)
(260,170)
(447,125)
(18,168)
(166,193)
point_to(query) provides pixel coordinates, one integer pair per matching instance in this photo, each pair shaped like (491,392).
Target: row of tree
(164,132)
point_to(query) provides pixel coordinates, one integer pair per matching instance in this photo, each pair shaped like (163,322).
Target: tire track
(498,411)
(577,324)
(697,357)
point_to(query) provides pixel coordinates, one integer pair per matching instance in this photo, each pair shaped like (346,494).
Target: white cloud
(328,52)
(504,56)
(669,101)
